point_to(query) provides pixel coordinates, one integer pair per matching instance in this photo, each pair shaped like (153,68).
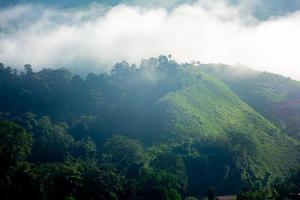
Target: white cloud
(208,31)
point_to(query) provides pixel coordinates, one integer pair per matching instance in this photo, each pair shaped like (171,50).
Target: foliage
(15,145)
(275,97)
(183,131)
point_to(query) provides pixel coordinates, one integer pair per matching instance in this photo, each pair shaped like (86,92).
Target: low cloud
(97,37)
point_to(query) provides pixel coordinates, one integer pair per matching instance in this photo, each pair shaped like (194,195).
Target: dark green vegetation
(162,130)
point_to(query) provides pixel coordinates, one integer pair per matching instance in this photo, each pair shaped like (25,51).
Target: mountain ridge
(270,94)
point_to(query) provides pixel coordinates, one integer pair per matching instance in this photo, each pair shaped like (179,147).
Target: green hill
(274,96)
(205,109)
(181,129)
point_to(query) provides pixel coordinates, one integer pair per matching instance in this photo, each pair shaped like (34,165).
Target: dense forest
(161,130)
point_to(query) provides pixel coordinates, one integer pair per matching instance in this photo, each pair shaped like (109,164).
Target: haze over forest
(149,100)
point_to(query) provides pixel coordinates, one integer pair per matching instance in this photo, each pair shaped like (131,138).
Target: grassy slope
(267,93)
(205,107)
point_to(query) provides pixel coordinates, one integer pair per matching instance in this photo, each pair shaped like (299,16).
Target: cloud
(97,37)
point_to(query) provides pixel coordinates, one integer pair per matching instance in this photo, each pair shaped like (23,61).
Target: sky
(94,36)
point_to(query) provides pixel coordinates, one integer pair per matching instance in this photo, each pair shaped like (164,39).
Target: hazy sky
(96,36)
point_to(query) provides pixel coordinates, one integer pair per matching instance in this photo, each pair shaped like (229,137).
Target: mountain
(274,96)
(204,108)
(160,129)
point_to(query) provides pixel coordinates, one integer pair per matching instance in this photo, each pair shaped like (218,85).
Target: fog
(95,37)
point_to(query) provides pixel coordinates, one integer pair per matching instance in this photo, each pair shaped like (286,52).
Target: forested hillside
(161,130)
(276,97)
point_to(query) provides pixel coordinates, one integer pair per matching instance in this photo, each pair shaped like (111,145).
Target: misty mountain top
(96,36)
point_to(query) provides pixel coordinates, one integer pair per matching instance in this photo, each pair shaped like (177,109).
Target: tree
(211,194)
(52,142)
(172,163)
(160,185)
(100,182)
(120,68)
(127,155)
(28,69)
(15,145)
(283,188)
(86,148)
(61,180)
